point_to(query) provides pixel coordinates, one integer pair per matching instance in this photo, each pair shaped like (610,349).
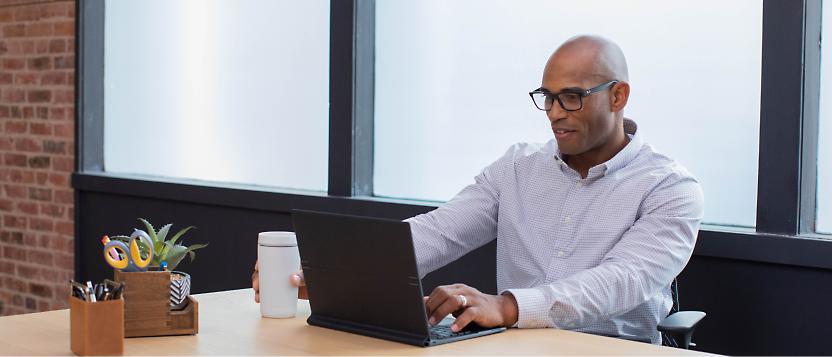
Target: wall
(37,62)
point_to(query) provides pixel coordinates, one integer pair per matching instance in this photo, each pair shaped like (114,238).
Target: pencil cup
(96,328)
(278,259)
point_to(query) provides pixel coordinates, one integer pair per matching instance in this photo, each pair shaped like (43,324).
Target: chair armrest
(679,327)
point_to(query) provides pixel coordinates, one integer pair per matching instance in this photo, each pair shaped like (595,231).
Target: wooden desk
(230,324)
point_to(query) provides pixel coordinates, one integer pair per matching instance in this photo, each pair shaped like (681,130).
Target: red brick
(14,253)
(56,113)
(13,63)
(4,111)
(54,10)
(27,207)
(65,261)
(66,28)
(64,96)
(67,228)
(43,112)
(65,130)
(16,127)
(70,78)
(26,78)
(18,300)
(21,47)
(14,30)
(12,237)
(40,63)
(50,275)
(65,62)
(27,13)
(14,222)
(57,46)
(4,48)
(64,196)
(17,112)
(44,241)
(42,46)
(43,306)
(53,78)
(15,160)
(52,147)
(40,162)
(42,177)
(63,164)
(41,224)
(7,267)
(6,143)
(6,205)
(71,15)
(40,128)
(42,29)
(28,113)
(71,213)
(59,180)
(40,194)
(26,144)
(15,191)
(40,289)
(31,304)
(6,16)
(28,272)
(6,78)
(63,244)
(13,95)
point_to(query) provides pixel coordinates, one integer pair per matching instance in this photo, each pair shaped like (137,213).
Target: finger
(256,296)
(426,298)
(453,303)
(297,279)
(255,282)
(257,265)
(464,319)
(434,301)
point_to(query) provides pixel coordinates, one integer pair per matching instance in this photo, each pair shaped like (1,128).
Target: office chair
(678,326)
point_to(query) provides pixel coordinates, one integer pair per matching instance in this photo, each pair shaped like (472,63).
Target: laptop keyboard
(439,332)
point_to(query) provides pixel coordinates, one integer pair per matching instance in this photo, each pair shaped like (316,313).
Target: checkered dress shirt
(594,255)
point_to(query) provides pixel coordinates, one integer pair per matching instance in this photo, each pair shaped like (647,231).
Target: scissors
(132,261)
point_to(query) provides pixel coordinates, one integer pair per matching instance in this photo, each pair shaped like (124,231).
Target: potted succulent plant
(171,253)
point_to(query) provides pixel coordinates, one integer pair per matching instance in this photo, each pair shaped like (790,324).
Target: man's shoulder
(654,165)
(526,150)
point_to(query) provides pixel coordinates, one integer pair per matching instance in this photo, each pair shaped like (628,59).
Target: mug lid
(277,239)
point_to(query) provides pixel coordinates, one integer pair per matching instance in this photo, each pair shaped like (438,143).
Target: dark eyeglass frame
(557,96)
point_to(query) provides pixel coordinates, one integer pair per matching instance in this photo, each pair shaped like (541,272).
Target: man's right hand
(296,279)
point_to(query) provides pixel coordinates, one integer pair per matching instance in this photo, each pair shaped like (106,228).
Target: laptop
(361,277)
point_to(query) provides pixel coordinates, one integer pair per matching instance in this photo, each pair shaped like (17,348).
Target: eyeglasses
(569,101)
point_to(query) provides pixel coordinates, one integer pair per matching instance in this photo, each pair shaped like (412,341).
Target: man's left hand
(470,305)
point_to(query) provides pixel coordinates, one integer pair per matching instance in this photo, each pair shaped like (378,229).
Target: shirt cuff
(532,311)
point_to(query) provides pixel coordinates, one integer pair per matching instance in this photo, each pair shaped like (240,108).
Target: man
(591,227)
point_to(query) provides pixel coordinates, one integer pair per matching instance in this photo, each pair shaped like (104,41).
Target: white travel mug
(278,259)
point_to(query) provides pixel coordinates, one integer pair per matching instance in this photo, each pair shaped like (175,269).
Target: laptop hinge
(368,330)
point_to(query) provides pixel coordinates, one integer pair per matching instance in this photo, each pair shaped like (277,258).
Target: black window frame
(790,85)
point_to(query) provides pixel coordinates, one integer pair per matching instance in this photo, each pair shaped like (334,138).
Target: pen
(163,266)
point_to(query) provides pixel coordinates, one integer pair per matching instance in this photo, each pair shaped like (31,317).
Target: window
(452,79)
(823,223)
(218,90)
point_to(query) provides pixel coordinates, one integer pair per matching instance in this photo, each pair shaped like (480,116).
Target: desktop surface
(230,324)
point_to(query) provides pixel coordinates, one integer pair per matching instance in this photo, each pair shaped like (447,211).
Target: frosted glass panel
(452,82)
(823,224)
(219,90)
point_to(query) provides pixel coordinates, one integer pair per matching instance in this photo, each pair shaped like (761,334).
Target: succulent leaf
(163,232)
(150,231)
(175,255)
(173,240)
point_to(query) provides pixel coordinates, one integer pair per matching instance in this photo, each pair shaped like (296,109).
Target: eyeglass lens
(568,101)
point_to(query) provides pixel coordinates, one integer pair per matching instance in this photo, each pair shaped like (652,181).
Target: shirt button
(560,254)
(568,220)
(533,323)
(579,184)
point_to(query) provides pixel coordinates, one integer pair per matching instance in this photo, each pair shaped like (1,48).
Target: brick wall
(37,62)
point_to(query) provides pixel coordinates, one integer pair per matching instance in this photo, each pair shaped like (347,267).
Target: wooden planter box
(147,306)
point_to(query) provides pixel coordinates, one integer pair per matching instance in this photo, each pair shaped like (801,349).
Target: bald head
(591,56)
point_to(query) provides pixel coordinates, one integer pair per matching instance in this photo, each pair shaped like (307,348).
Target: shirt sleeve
(646,259)
(466,222)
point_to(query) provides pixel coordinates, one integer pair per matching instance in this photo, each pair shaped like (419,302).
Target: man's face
(591,127)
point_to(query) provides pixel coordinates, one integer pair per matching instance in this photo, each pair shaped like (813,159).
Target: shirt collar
(621,159)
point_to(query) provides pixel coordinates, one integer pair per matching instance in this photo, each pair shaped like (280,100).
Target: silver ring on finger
(464,301)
